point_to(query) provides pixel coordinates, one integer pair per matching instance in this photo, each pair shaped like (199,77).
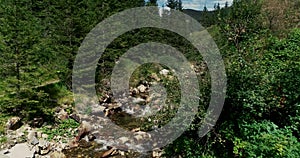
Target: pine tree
(16,57)
(205,9)
(174,4)
(29,60)
(226,5)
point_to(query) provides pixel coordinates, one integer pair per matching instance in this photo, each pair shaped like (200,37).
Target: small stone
(138,100)
(45,136)
(43,144)
(155,77)
(73,143)
(148,99)
(62,115)
(44,147)
(58,138)
(32,138)
(142,88)
(138,137)
(20,134)
(61,147)
(39,134)
(122,153)
(156,153)
(106,99)
(36,149)
(45,151)
(134,91)
(164,72)
(136,129)
(91,137)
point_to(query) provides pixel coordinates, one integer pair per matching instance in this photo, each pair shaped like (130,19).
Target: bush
(265,139)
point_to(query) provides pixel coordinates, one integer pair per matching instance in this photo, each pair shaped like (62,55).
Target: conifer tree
(175,4)
(29,60)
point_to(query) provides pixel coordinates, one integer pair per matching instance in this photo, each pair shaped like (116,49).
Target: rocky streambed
(34,140)
(94,137)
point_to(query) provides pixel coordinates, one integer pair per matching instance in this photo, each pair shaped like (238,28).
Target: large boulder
(14,123)
(83,130)
(21,151)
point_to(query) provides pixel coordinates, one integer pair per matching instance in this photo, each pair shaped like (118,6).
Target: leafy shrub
(265,139)
(263,85)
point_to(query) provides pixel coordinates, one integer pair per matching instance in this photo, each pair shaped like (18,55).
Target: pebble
(142,88)
(164,72)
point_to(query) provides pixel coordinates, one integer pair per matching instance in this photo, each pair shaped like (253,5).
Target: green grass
(3,120)
(62,129)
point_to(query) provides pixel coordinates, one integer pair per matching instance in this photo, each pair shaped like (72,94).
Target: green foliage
(3,139)
(263,78)
(265,139)
(174,4)
(239,21)
(184,146)
(63,129)
(188,146)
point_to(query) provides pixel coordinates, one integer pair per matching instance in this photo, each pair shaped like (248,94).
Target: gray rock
(39,134)
(142,88)
(43,144)
(32,138)
(21,151)
(84,129)
(45,151)
(134,91)
(44,147)
(155,77)
(37,149)
(3,156)
(138,100)
(45,136)
(164,72)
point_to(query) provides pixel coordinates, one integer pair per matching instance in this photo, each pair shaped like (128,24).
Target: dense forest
(259,42)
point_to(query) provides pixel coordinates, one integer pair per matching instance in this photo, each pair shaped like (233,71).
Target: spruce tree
(28,60)
(175,4)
